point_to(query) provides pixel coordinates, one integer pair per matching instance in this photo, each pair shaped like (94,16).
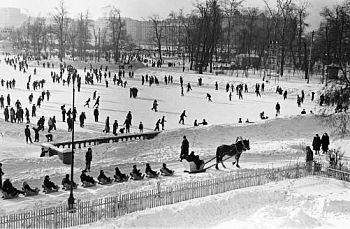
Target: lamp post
(71,200)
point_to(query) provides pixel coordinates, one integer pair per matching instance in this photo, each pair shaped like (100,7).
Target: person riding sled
(195,159)
(66,182)
(136,172)
(48,184)
(149,171)
(165,170)
(86,178)
(103,178)
(119,176)
(10,190)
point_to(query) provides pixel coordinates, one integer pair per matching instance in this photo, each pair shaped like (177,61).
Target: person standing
(162,122)
(88,159)
(96,114)
(27,134)
(1,174)
(278,108)
(316,144)
(107,128)
(184,148)
(115,127)
(141,127)
(325,143)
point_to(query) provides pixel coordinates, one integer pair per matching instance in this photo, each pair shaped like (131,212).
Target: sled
(191,167)
(30,193)
(7,196)
(104,181)
(66,187)
(136,177)
(164,172)
(120,179)
(88,184)
(47,191)
(152,175)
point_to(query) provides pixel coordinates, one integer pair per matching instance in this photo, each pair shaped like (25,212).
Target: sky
(138,9)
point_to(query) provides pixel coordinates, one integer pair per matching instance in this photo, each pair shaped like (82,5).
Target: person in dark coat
(27,134)
(119,175)
(96,113)
(278,109)
(316,144)
(325,142)
(9,189)
(115,127)
(88,159)
(107,128)
(82,118)
(136,171)
(149,170)
(102,176)
(184,148)
(49,184)
(182,117)
(86,178)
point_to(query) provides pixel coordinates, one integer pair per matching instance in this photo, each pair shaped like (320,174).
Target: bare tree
(60,18)
(116,24)
(158,34)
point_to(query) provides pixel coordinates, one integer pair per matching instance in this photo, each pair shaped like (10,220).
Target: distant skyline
(139,9)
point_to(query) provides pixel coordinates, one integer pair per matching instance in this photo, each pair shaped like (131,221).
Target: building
(11,17)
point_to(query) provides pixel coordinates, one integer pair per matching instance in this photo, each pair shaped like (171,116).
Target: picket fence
(115,206)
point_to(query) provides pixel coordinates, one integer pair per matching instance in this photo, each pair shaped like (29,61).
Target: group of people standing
(320,143)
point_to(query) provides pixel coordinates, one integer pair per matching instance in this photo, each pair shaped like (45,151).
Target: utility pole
(309,62)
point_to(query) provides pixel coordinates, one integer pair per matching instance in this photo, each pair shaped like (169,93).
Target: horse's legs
(237,159)
(216,166)
(223,164)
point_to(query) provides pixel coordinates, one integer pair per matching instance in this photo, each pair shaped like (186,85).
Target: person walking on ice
(155,105)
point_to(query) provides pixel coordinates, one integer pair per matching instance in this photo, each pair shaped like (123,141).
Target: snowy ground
(311,202)
(274,142)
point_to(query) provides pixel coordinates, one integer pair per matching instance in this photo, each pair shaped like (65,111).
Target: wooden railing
(115,206)
(97,141)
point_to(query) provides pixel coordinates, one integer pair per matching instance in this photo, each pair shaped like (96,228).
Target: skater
(157,125)
(155,105)
(87,103)
(97,102)
(209,97)
(162,122)
(182,117)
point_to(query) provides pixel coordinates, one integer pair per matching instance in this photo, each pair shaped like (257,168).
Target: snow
(273,142)
(311,202)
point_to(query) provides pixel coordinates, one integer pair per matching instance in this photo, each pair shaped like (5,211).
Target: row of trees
(220,29)
(60,35)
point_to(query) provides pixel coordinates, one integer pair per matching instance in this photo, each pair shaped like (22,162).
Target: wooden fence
(115,206)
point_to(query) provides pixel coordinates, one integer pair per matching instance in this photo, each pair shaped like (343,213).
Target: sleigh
(47,190)
(31,193)
(165,172)
(105,181)
(9,196)
(134,176)
(68,186)
(120,179)
(88,184)
(152,175)
(191,167)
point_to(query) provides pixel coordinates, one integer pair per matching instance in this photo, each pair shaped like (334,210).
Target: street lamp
(71,200)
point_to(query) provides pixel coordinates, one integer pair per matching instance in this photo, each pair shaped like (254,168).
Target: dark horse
(232,150)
